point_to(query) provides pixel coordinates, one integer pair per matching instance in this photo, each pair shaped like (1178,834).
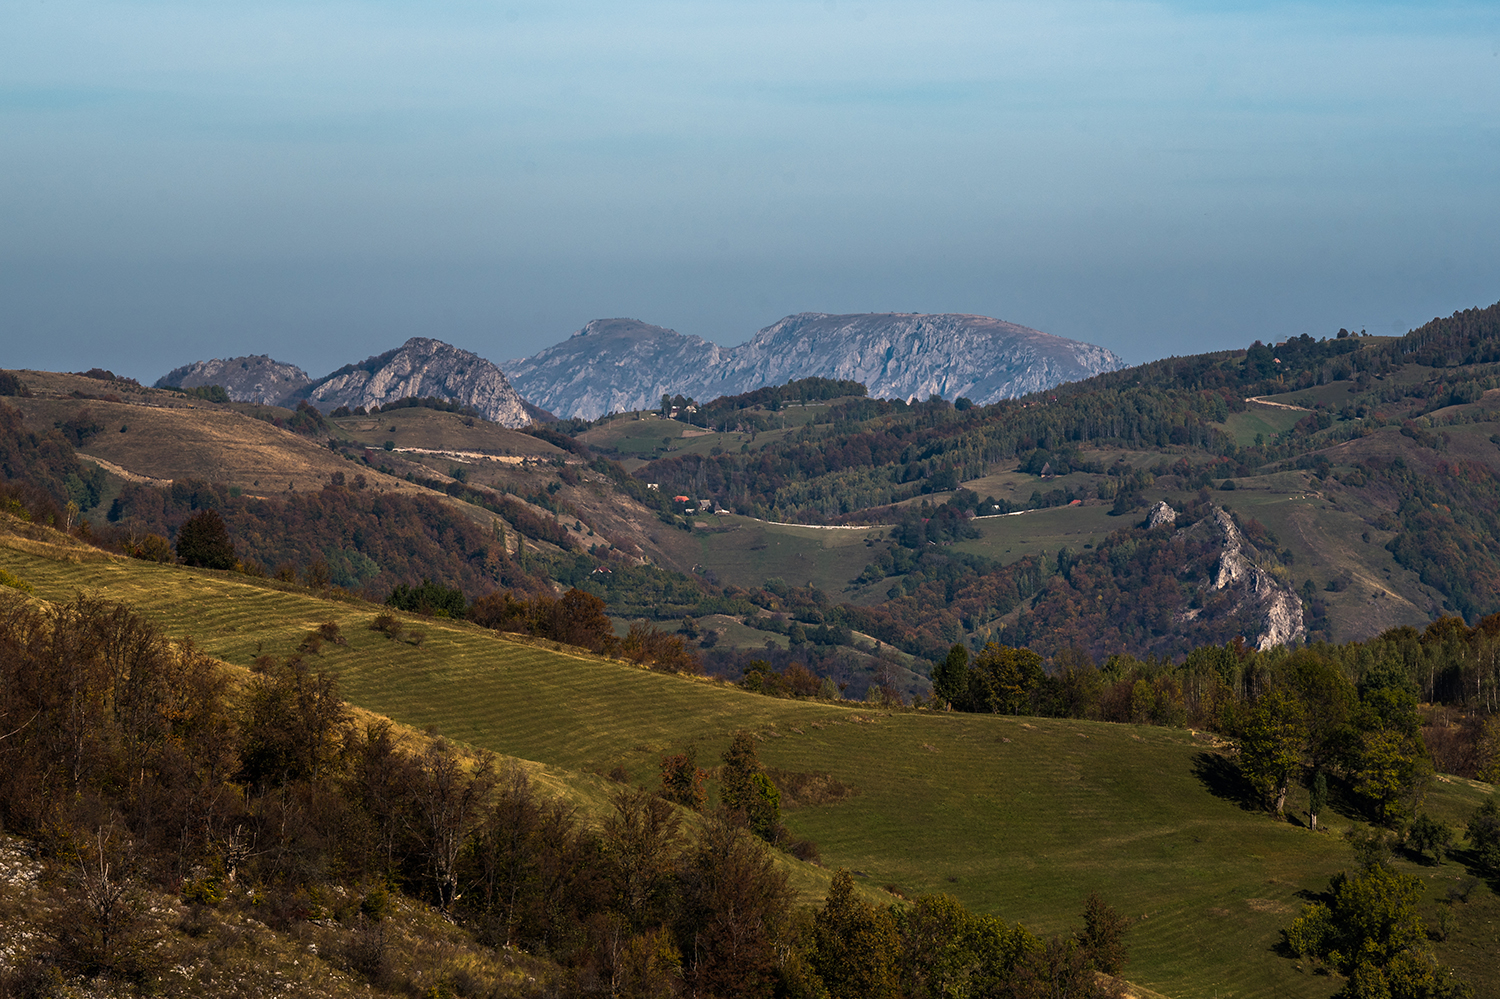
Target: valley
(1008,652)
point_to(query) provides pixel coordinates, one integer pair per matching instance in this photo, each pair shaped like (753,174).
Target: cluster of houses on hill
(691,505)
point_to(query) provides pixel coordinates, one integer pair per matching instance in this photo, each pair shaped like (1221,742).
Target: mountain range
(616,365)
(421,367)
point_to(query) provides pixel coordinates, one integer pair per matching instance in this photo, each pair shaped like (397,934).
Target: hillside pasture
(1262,420)
(1014,816)
(1008,538)
(203,441)
(747,552)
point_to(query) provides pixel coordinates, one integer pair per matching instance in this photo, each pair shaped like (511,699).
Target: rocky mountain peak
(622,364)
(255,378)
(423,367)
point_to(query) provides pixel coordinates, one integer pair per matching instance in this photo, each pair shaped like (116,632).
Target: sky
(319,181)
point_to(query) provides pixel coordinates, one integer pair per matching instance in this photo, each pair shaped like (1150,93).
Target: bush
(1427,835)
(387,624)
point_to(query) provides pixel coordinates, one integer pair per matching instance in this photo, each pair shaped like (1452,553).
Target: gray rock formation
(246,379)
(623,364)
(1275,604)
(911,356)
(422,367)
(614,365)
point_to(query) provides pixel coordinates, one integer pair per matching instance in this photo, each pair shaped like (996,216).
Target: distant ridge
(624,364)
(256,378)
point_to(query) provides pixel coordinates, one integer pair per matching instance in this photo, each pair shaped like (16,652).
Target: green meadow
(1017,817)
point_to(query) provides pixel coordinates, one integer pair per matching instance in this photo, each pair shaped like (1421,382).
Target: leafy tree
(764,811)
(740,762)
(1271,747)
(948,951)
(1427,835)
(428,598)
(203,541)
(744,787)
(1484,835)
(1317,798)
(854,945)
(1372,917)
(1393,772)
(1103,935)
(1003,680)
(1327,699)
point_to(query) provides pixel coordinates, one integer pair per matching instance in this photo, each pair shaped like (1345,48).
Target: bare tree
(449,800)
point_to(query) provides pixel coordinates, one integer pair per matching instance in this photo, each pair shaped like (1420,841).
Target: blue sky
(319,181)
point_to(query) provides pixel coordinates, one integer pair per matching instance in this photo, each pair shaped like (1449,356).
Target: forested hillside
(1359,475)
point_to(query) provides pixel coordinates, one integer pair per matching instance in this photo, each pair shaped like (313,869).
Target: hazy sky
(319,181)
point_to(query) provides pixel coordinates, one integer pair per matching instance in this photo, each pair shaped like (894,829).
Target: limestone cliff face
(1280,607)
(246,379)
(422,367)
(623,364)
(614,365)
(912,356)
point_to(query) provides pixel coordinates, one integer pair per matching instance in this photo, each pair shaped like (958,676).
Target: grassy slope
(429,428)
(200,440)
(1017,817)
(748,552)
(1007,539)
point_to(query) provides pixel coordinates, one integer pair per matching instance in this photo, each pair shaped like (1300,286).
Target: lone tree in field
(744,787)
(1271,748)
(203,541)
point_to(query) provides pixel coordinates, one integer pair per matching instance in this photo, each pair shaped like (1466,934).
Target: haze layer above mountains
(622,364)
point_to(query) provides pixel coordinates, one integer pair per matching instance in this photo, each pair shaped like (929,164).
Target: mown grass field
(1006,539)
(1260,420)
(747,552)
(1018,817)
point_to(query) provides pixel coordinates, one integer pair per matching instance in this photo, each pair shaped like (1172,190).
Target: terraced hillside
(1019,817)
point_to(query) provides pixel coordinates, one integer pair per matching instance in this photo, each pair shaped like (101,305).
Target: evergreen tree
(950,678)
(203,541)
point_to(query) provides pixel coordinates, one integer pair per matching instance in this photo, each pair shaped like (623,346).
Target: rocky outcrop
(1278,606)
(422,367)
(257,378)
(622,364)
